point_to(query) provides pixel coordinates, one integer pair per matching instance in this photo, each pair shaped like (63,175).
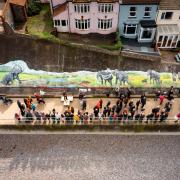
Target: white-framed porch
(167,36)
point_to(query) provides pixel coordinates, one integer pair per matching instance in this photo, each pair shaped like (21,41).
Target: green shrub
(34,8)
(116,46)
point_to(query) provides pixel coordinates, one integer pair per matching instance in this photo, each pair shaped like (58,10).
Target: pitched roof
(59,9)
(18,2)
(169,5)
(140,1)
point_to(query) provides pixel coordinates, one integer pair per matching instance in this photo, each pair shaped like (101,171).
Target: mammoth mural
(121,76)
(105,76)
(12,75)
(26,77)
(154,76)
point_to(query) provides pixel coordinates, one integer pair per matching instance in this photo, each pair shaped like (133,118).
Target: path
(7,112)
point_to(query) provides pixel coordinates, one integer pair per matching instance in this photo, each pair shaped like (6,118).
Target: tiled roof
(18,2)
(141,1)
(169,5)
(59,9)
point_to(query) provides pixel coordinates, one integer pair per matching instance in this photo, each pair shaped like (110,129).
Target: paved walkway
(7,112)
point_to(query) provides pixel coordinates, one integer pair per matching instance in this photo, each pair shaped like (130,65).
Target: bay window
(82,24)
(104,24)
(130,29)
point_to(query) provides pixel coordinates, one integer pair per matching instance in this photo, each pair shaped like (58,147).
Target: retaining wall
(45,55)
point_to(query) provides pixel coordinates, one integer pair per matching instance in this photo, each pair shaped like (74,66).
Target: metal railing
(90,121)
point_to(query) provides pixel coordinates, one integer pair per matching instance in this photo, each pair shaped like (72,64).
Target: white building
(168,22)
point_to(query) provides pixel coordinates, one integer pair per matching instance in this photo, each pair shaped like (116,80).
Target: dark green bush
(34,8)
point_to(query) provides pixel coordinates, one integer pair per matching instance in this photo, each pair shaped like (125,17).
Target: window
(63,23)
(130,29)
(147,12)
(60,23)
(160,39)
(147,34)
(167,15)
(104,23)
(82,24)
(57,23)
(81,8)
(105,8)
(132,12)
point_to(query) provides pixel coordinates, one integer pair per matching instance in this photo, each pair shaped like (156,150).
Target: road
(7,112)
(89,157)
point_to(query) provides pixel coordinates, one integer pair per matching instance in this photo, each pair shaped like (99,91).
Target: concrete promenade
(7,112)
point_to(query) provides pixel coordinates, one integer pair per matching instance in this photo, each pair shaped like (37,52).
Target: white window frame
(130,11)
(65,21)
(104,24)
(105,8)
(57,22)
(147,11)
(82,24)
(147,29)
(130,25)
(163,15)
(82,8)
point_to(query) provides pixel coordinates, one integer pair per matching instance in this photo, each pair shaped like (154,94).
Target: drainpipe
(69,19)
(52,10)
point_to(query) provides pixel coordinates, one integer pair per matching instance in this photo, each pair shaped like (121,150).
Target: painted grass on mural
(89,79)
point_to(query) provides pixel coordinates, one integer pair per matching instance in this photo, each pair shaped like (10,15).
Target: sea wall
(48,56)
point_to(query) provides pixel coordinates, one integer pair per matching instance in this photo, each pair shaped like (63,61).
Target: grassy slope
(41,25)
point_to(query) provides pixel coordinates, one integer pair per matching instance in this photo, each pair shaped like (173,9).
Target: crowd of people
(124,110)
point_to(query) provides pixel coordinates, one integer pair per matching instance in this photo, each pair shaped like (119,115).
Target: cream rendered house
(168,22)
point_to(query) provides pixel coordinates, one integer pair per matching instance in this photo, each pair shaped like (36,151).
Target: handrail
(93,120)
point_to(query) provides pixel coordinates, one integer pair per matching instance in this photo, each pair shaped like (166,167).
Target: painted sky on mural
(31,77)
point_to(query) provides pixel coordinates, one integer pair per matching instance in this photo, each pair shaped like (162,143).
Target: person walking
(143,101)
(100,103)
(65,95)
(84,104)
(161,98)
(137,104)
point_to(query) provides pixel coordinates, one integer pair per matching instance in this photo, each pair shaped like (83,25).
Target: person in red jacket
(177,117)
(161,98)
(100,103)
